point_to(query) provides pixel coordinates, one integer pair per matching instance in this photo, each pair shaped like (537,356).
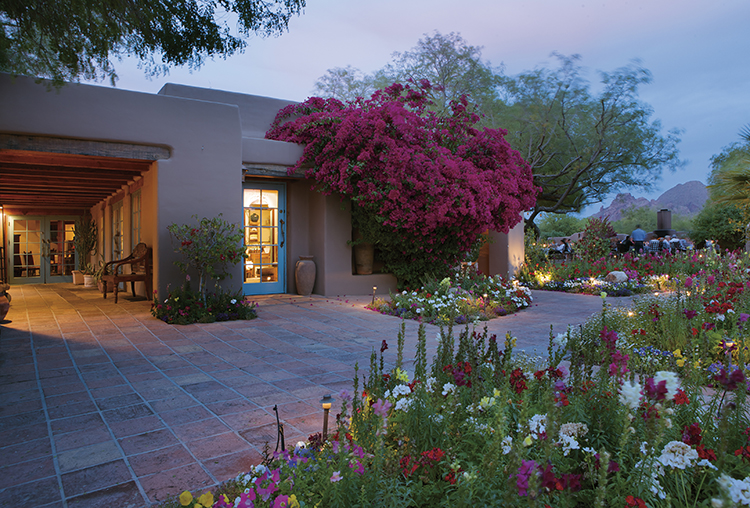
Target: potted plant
(87,272)
(85,241)
(98,272)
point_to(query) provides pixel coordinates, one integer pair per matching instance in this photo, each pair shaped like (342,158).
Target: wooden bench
(140,270)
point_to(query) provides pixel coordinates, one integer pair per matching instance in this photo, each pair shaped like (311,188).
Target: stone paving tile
(95,478)
(188,405)
(33,493)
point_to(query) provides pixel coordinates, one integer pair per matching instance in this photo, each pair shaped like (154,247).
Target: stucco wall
(203,175)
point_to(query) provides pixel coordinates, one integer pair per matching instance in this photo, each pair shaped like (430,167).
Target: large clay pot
(364,254)
(304,275)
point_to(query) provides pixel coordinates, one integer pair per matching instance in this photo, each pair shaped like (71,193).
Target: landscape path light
(326,402)
(374,288)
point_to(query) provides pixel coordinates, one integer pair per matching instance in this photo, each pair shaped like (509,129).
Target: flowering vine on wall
(423,187)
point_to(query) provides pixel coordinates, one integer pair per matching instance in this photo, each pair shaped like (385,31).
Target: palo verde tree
(453,67)
(583,146)
(423,187)
(66,40)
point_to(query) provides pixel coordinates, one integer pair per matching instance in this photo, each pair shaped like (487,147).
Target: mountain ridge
(684,199)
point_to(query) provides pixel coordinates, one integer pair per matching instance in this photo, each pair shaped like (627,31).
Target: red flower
(681,397)
(635,501)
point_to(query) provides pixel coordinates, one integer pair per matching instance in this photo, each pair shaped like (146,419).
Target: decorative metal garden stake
(280,430)
(326,401)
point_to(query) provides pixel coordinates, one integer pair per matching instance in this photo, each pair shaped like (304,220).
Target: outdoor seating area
(139,263)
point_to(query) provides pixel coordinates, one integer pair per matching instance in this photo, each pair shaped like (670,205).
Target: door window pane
(261,235)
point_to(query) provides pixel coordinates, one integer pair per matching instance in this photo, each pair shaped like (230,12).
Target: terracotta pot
(4,306)
(364,254)
(304,275)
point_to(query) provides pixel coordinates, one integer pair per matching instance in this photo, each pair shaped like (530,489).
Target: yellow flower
(677,353)
(186,498)
(681,362)
(496,393)
(206,499)
(293,503)
(527,441)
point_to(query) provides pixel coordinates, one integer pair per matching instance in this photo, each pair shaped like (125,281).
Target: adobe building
(138,162)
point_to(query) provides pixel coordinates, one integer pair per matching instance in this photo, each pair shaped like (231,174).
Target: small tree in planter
(85,236)
(209,248)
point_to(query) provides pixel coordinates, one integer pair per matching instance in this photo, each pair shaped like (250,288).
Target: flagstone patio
(104,405)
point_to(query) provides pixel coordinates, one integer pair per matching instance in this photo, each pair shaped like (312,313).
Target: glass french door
(41,249)
(265,238)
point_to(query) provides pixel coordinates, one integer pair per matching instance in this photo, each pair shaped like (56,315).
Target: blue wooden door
(265,238)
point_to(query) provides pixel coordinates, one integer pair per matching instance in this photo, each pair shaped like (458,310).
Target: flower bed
(480,426)
(645,273)
(184,306)
(464,298)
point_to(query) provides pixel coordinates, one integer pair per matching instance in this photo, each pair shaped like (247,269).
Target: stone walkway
(103,405)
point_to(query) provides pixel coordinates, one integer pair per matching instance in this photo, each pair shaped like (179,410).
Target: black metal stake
(280,430)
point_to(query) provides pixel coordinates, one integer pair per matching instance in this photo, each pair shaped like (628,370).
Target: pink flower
(336,477)
(381,407)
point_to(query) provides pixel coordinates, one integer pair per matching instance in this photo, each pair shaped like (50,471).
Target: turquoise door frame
(40,249)
(265,238)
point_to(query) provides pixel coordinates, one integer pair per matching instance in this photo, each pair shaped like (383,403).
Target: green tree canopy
(582,145)
(452,66)
(66,40)
(646,217)
(560,225)
(729,181)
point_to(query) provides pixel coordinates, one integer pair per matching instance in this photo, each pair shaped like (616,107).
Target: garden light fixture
(326,402)
(279,431)
(374,288)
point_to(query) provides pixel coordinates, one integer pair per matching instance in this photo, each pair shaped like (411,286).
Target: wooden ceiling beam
(72,161)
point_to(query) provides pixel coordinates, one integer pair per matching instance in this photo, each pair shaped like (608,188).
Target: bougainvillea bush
(423,188)
(464,297)
(476,427)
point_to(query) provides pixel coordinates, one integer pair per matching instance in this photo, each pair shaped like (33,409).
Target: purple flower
(689,314)
(524,473)
(744,317)
(345,395)
(688,282)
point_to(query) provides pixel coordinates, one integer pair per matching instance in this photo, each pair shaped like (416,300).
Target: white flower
(430,384)
(678,455)
(720,317)
(561,340)
(538,424)
(716,503)
(672,379)
(568,443)
(448,388)
(573,429)
(738,490)
(401,390)
(630,394)
(506,444)
(403,404)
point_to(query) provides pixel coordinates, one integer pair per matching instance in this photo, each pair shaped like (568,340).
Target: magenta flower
(689,314)
(688,282)
(527,468)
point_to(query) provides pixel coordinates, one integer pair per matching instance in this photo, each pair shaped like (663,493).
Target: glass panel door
(42,249)
(25,248)
(264,234)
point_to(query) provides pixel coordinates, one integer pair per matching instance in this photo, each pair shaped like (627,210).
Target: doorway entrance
(265,238)
(41,249)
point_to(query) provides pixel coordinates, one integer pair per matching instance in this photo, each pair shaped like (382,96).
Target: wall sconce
(374,288)
(326,402)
